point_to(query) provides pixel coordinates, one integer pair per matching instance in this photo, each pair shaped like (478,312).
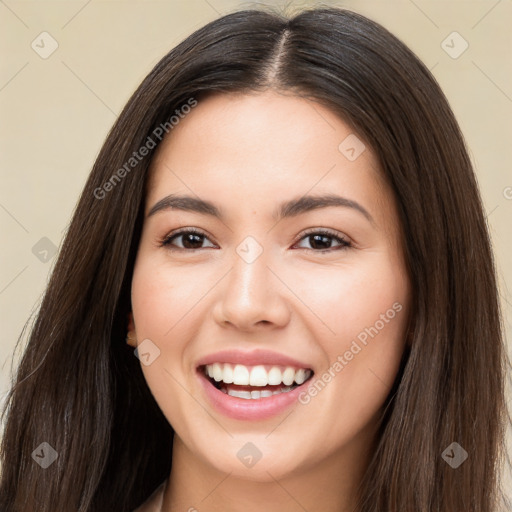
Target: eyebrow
(291,208)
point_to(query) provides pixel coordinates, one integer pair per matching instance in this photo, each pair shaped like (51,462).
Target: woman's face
(275,286)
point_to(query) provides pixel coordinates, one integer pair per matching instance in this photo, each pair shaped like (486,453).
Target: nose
(252,297)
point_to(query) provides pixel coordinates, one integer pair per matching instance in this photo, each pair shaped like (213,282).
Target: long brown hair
(79,387)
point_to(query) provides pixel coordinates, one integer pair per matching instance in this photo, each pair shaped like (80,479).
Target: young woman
(277,292)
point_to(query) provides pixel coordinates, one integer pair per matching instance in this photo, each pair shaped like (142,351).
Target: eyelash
(344,243)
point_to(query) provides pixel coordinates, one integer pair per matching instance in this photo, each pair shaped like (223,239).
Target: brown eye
(321,241)
(191,239)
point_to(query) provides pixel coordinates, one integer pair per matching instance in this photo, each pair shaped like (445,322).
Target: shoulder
(154,502)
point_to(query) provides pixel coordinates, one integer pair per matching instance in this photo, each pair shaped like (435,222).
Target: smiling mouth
(254,382)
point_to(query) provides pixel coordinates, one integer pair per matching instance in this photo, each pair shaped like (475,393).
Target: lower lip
(249,409)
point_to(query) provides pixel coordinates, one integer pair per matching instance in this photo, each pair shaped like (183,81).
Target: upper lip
(252,358)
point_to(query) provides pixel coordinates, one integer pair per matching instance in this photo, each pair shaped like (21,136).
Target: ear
(131,337)
(131,324)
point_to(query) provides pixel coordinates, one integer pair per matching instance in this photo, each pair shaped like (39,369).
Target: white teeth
(301,376)
(256,375)
(255,395)
(288,376)
(240,394)
(228,374)
(274,376)
(217,372)
(241,375)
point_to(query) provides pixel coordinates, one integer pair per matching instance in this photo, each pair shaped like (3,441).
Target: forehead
(260,147)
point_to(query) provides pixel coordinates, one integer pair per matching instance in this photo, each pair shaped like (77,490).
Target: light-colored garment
(155,501)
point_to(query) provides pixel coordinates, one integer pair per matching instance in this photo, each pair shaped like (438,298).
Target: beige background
(55,112)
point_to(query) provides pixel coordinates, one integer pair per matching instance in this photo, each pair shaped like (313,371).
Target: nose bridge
(249,277)
(252,295)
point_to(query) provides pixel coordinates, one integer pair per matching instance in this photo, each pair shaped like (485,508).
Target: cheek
(349,299)
(362,312)
(160,298)
(162,303)
(151,303)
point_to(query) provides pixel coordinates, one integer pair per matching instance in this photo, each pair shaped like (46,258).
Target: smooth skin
(196,296)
